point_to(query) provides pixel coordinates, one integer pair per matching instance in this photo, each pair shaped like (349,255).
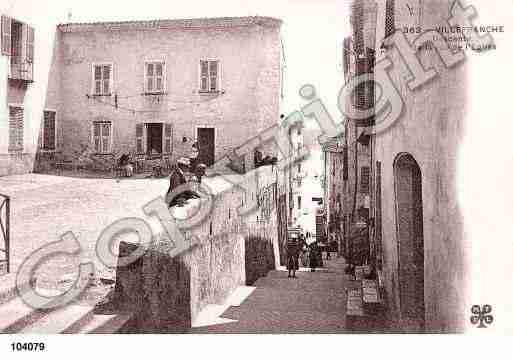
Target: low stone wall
(230,251)
(167,293)
(259,258)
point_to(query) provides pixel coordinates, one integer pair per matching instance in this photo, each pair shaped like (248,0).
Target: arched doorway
(410,240)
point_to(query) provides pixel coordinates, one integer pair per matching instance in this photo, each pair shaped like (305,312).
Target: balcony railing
(21,69)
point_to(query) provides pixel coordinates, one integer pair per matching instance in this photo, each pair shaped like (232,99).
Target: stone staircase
(16,317)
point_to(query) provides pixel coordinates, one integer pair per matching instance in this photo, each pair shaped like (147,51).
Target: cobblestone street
(312,303)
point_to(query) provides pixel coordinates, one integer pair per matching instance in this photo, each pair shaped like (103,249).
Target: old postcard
(272,167)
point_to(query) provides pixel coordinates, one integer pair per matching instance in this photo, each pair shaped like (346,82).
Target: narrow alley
(312,303)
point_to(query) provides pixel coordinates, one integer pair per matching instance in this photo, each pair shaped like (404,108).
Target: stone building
(416,227)
(334,188)
(19,112)
(155,87)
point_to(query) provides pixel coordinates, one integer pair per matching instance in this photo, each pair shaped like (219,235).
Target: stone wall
(230,250)
(430,130)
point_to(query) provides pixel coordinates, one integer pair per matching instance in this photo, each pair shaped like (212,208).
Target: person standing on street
(293,257)
(314,256)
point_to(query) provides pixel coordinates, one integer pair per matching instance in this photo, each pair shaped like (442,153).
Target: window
(209,81)
(49,131)
(16,41)
(155,77)
(365,180)
(15,129)
(102,79)
(102,136)
(299,202)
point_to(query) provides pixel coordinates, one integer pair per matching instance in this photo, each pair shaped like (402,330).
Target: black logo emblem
(481,315)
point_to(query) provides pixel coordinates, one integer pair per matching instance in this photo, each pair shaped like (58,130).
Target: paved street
(45,207)
(312,303)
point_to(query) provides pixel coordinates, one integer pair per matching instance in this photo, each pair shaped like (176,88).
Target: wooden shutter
(96,137)
(139,129)
(389,18)
(204,75)
(49,130)
(345,164)
(149,77)
(106,135)
(168,138)
(97,80)
(365,180)
(159,77)
(214,71)
(6,35)
(15,129)
(107,75)
(29,51)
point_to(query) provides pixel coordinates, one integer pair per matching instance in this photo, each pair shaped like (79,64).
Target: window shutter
(30,44)
(6,35)
(105,132)
(15,129)
(204,75)
(107,75)
(389,18)
(139,137)
(168,135)
(214,69)
(365,180)
(96,137)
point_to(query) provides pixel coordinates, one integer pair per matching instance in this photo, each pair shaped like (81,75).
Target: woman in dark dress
(292,257)
(314,256)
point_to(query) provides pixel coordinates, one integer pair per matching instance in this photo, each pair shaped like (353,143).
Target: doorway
(410,240)
(207,145)
(154,138)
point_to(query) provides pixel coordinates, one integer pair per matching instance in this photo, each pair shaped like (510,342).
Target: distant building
(334,189)
(18,114)
(404,177)
(155,87)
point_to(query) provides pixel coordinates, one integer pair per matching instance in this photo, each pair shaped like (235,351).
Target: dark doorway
(207,145)
(410,240)
(154,136)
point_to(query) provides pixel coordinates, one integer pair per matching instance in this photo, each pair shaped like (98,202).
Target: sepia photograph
(273,167)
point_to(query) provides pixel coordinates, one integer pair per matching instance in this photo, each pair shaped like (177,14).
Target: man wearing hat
(177,178)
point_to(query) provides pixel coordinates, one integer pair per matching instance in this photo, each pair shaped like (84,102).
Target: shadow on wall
(259,258)
(165,294)
(157,289)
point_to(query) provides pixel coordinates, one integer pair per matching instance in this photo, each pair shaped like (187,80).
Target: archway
(410,240)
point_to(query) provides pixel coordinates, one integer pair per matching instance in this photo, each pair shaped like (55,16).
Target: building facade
(17,121)
(156,87)
(415,226)
(334,188)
